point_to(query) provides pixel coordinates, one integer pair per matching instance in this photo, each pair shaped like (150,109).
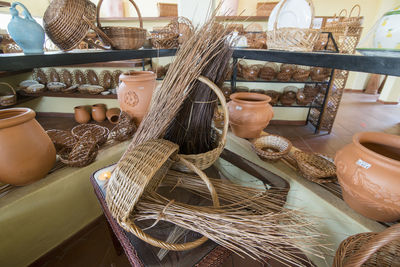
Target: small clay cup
(113,115)
(99,112)
(82,114)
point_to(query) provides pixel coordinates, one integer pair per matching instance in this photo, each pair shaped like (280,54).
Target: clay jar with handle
(82,114)
(99,112)
(26,151)
(368,171)
(135,91)
(113,115)
(249,114)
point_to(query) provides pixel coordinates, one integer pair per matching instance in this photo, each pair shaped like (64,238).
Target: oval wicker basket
(122,37)
(293,39)
(370,249)
(140,172)
(7,99)
(314,167)
(100,132)
(205,160)
(271,147)
(61,139)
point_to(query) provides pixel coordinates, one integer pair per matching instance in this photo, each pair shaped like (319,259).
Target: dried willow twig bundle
(190,60)
(260,236)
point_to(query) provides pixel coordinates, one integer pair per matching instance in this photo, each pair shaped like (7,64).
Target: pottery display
(135,92)
(99,112)
(249,114)
(26,151)
(113,115)
(368,171)
(82,114)
(387,33)
(26,32)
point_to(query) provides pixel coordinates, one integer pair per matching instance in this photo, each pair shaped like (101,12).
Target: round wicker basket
(100,132)
(370,249)
(271,147)
(141,171)
(316,168)
(205,160)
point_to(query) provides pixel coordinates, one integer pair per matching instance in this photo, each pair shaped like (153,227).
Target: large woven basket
(205,160)
(370,249)
(140,172)
(293,39)
(65,22)
(123,37)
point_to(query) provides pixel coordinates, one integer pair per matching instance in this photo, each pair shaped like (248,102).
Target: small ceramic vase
(26,152)
(99,112)
(113,115)
(82,114)
(368,171)
(135,92)
(249,114)
(26,32)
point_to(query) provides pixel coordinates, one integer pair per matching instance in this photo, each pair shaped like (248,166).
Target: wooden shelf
(113,64)
(71,95)
(20,100)
(4,4)
(137,19)
(11,73)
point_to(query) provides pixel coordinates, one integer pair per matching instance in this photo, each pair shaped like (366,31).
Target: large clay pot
(249,114)
(135,91)
(26,151)
(369,174)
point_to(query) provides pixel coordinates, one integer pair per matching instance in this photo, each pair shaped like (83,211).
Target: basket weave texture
(370,249)
(62,139)
(272,147)
(83,153)
(315,167)
(100,133)
(7,99)
(293,39)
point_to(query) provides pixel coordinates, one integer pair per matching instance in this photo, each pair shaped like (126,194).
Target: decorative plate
(92,77)
(79,77)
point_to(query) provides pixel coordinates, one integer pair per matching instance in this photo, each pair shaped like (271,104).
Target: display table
(35,219)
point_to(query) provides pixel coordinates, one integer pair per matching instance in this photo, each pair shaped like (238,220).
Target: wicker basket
(274,95)
(83,153)
(250,73)
(205,160)
(99,132)
(286,72)
(268,71)
(167,10)
(316,168)
(67,22)
(256,40)
(288,96)
(62,139)
(272,147)
(301,73)
(124,129)
(122,37)
(319,74)
(8,99)
(139,173)
(293,39)
(370,249)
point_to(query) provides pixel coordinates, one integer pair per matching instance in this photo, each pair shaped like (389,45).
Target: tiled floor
(358,112)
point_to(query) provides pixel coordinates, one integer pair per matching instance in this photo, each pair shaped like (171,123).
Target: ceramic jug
(387,33)
(25,31)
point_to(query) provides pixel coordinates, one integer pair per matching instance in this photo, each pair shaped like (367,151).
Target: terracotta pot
(113,115)
(99,112)
(82,114)
(26,151)
(135,92)
(369,174)
(249,114)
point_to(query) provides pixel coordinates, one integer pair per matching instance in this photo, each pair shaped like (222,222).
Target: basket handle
(361,256)
(354,7)
(99,32)
(280,9)
(133,3)
(221,98)
(341,11)
(130,226)
(9,86)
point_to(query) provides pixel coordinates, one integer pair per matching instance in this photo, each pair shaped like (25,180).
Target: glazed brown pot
(369,174)
(99,112)
(26,151)
(113,115)
(135,92)
(249,114)
(82,114)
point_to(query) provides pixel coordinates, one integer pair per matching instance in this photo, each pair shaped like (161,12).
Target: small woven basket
(256,40)
(167,9)
(8,99)
(99,132)
(274,95)
(122,37)
(83,152)
(205,160)
(172,35)
(293,39)
(250,73)
(62,139)
(140,172)
(314,167)
(370,249)
(301,73)
(124,129)
(268,71)
(271,147)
